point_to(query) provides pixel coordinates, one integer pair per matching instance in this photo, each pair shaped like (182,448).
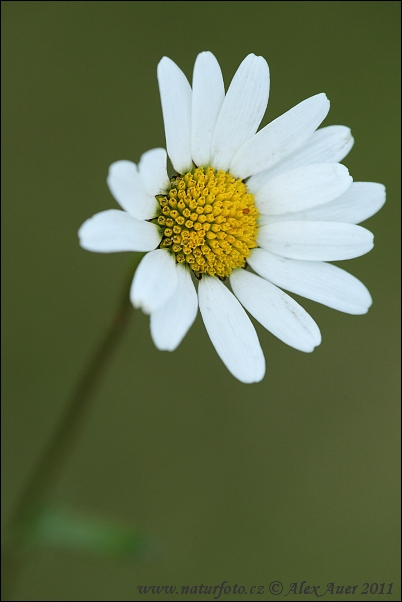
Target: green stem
(54,455)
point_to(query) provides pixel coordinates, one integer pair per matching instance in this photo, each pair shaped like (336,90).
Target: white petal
(280,137)
(302,188)
(152,168)
(315,241)
(171,322)
(321,282)
(207,99)
(127,187)
(231,331)
(358,203)
(327,145)
(154,282)
(175,94)
(276,311)
(113,230)
(264,220)
(242,110)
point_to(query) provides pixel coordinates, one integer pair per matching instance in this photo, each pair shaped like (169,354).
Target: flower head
(263,211)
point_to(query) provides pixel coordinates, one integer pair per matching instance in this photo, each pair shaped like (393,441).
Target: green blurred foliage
(293,478)
(63,528)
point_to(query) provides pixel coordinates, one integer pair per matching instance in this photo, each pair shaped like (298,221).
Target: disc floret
(209,221)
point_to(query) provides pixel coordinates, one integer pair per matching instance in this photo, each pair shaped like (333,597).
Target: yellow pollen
(208,220)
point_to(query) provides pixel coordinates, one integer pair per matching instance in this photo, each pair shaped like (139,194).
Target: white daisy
(276,202)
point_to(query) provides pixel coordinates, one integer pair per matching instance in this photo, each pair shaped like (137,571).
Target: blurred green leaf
(66,529)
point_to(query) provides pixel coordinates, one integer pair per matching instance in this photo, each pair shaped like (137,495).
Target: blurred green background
(295,478)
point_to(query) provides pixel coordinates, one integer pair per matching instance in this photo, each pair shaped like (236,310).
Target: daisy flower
(261,211)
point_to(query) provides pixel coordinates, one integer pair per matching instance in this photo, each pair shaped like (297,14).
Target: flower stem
(54,455)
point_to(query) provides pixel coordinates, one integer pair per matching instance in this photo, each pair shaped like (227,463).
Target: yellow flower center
(209,220)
